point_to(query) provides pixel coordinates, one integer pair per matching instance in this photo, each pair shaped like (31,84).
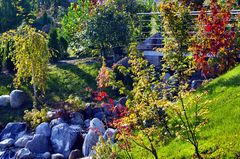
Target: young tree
(145,123)
(214,45)
(31,58)
(177,25)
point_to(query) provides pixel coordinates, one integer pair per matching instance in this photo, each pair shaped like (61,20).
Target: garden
(79,79)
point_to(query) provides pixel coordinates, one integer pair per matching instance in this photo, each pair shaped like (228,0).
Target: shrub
(105,150)
(35,117)
(74,103)
(58,45)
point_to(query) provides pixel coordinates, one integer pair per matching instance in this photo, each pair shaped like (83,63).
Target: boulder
(96,110)
(39,144)
(17,98)
(45,155)
(9,154)
(56,122)
(4,100)
(6,143)
(76,118)
(63,137)
(12,130)
(110,134)
(100,116)
(22,141)
(90,140)
(88,111)
(24,153)
(57,156)
(75,154)
(97,125)
(87,123)
(44,129)
(107,109)
(79,142)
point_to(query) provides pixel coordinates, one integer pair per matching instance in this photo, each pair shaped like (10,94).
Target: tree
(214,45)
(177,25)
(53,44)
(145,122)
(108,29)
(74,23)
(12,13)
(31,58)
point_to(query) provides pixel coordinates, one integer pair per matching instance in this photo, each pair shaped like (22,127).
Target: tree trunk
(154,152)
(35,104)
(197,152)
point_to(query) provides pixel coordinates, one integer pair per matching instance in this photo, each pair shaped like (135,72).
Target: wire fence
(151,28)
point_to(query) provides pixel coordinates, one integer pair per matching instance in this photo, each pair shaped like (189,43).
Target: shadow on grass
(69,79)
(229,82)
(89,79)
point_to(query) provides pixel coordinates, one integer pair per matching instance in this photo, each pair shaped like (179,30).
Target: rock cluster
(60,138)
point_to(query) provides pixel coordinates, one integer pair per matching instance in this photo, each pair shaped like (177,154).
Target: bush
(58,46)
(36,117)
(74,103)
(104,150)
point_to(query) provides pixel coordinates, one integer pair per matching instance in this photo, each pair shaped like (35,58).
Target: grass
(64,79)
(220,137)
(5,83)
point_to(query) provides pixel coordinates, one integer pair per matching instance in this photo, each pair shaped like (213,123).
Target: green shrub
(105,150)
(74,103)
(36,117)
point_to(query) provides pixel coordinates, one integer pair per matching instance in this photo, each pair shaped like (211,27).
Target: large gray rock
(4,100)
(75,154)
(90,140)
(100,116)
(56,122)
(24,153)
(87,123)
(6,143)
(110,134)
(9,154)
(97,125)
(17,98)
(76,118)
(44,129)
(57,156)
(12,130)
(39,144)
(22,141)
(45,155)
(63,137)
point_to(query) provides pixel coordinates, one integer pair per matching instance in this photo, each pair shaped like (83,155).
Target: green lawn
(220,138)
(64,79)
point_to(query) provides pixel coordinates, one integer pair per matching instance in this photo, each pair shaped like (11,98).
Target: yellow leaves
(31,56)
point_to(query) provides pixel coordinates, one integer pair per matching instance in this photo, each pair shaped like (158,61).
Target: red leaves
(100,96)
(209,28)
(214,47)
